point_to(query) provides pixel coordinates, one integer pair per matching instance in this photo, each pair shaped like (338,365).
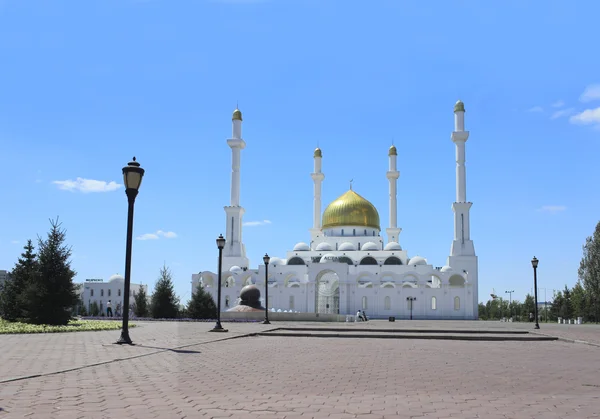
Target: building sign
(331,258)
(94,280)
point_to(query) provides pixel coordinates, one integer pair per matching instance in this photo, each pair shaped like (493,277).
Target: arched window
(365,231)
(373,232)
(101,293)
(119,292)
(109,292)
(387,303)
(354,232)
(433,303)
(456,303)
(91,293)
(291,302)
(344,259)
(342,231)
(392,260)
(296,261)
(364,303)
(227,301)
(368,261)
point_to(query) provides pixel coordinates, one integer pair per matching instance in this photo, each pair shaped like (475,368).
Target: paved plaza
(181,370)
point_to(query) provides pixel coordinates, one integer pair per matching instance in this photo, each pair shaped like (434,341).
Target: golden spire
(393,151)
(318,152)
(459,106)
(237,115)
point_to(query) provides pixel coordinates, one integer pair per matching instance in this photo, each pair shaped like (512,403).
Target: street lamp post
(411,299)
(220,245)
(132,176)
(266,260)
(509,301)
(534,263)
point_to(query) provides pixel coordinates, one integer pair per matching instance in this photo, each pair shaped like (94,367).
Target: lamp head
(266,259)
(220,241)
(132,175)
(534,262)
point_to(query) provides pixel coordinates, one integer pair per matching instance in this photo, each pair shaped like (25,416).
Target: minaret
(317,177)
(393,232)
(234,252)
(462,244)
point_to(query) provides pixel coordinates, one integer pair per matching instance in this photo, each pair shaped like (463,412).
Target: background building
(4,276)
(96,290)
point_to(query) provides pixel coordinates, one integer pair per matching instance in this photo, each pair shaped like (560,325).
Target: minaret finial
(351,180)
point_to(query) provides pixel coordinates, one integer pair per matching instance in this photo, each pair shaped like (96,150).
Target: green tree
(589,272)
(25,270)
(527,307)
(141,303)
(482,311)
(566,310)
(164,304)
(49,297)
(94,309)
(202,305)
(557,303)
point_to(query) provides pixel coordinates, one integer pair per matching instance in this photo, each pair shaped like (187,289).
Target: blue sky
(84,86)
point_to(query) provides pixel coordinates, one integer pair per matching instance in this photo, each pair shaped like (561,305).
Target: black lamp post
(411,299)
(266,260)
(534,263)
(509,301)
(220,245)
(132,176)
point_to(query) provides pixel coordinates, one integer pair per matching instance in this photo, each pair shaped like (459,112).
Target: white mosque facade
(346,265)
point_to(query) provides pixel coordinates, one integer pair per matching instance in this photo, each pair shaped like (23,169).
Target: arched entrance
(327,293)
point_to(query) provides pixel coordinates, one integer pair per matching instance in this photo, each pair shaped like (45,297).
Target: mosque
(347,265)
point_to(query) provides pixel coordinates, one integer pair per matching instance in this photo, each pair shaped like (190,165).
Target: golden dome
(237,115)
(318,152)
(393,151)
(459,106)
(351,209)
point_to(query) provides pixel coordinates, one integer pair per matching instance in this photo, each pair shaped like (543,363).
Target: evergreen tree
(94,309)
(164,304)
(578,301)
(49,297)
(557,303)
(528,307)
(202,305)
(566,311)
(25,270)
(141,303)
(589,272)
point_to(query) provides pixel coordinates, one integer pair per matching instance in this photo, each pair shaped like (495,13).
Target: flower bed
(73,326)
(150,319)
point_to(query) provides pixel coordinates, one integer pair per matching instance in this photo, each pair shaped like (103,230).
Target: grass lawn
(73,326)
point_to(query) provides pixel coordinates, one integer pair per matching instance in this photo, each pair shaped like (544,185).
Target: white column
(393,232)
(317,177)
(459,137)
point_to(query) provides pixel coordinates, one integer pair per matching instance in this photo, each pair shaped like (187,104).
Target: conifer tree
(589,272)
(50,296)
(141,303)
(164,304)
(201,305)
(11,298)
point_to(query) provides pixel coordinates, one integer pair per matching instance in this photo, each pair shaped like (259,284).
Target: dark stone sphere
(250,296)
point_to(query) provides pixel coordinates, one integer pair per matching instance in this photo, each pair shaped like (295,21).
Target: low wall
(298,317)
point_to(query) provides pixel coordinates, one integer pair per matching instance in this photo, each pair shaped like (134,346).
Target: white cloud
(15,241)
(553,209)
(256,223)
(157,235)
(562,112)
(535,109)
(558,104)
(592,92)
(87,185)
(587,117)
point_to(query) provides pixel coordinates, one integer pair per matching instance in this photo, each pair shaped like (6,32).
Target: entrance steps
(437,334)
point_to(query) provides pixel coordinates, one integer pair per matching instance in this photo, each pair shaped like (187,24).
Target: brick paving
(279,377)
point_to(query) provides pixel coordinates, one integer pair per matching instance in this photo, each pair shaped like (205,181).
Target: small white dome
(116,277)
(324,246)
(328,257)
(275,261)
(235,269)
(369,246)
(301,247)
(417,260)
(347,246)
(392,246)
(446,268)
